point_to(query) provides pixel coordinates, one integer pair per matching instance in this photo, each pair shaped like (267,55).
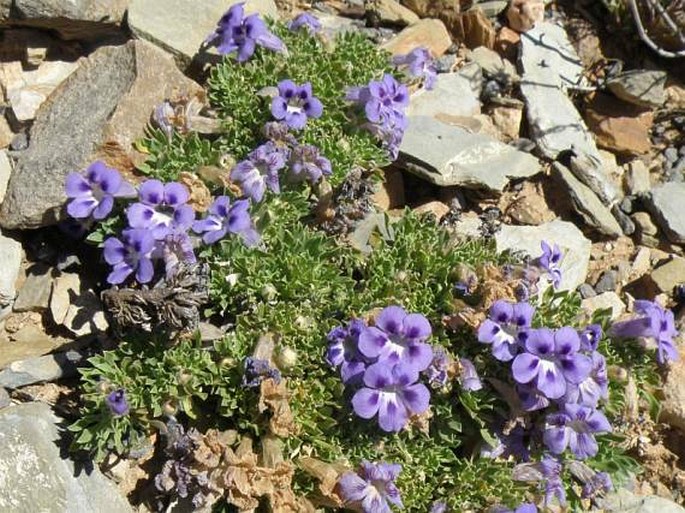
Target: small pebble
(444,64)
(523,144)
(586,291)
(626,223)
(20,142)
(671,154)
(681,151)
(626,205)
(607,282)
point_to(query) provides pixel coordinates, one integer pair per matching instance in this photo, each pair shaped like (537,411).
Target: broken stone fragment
(447,155)
(640,87)
(118,87)
(429,33)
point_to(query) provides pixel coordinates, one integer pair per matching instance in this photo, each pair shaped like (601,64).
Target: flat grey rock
(448,155)
(624,501)
(34,295)
(40,369)
(666,205)
(593,211)
(640,87)
(108,99)
(36,478)
(10,256)
(5,173)
(181,26)
(492,64)
(73,19)
(574,246)
(454,94)
(548,64)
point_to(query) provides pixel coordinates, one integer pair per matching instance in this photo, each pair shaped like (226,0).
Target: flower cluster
(419,64)
(293,106)
(257,370)
(236,32)
(560,376)
(372,489)
(652,323)
(383,102)
(383,363)
(159,222)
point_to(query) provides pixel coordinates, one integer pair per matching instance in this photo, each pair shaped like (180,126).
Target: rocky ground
(545,124)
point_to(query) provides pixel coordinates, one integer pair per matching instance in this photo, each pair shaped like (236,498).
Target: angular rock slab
(640,87)
(429,32)
(574,246)
(548,63)
(454,94)
(587,204)
(10,256)
(666,205)
(181,26)
(72,19)
(623,501)
(447,155)
(33,475)
(673,405)
(108,99)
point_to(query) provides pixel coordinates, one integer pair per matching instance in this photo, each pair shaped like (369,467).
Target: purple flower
(307,163)
(93,192)
(575,428)
(551,359)
(468,376)
(438,507)
(554,486)
(117,403)
(279,134)
(598,485)
(398,337)
(175,248)
(590,337)
(343,350)
(550,261)
(593,388)
(506,328)
(531,398)
(224,217)
(306,21)
(391,392)
(383,100)
(162,208)
(131,254)
(237,32)
(372,488)
(390,133)
(257,370)
(420,64)
(294,104)
(653,322)
(162,116)
(437,370)
(259,171)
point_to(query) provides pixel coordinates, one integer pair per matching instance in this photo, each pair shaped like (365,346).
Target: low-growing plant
(429,372)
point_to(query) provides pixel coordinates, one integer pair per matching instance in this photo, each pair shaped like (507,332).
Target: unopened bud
(286,358)
(170,408)
(184,377)
(303,323)
(269,292)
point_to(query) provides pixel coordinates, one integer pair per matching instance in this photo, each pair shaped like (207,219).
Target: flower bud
(303,323)
(286,358)
(268,292)
(227,362)
(184,377)
(170,408)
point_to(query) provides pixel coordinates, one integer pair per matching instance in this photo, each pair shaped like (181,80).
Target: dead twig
(643,33)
